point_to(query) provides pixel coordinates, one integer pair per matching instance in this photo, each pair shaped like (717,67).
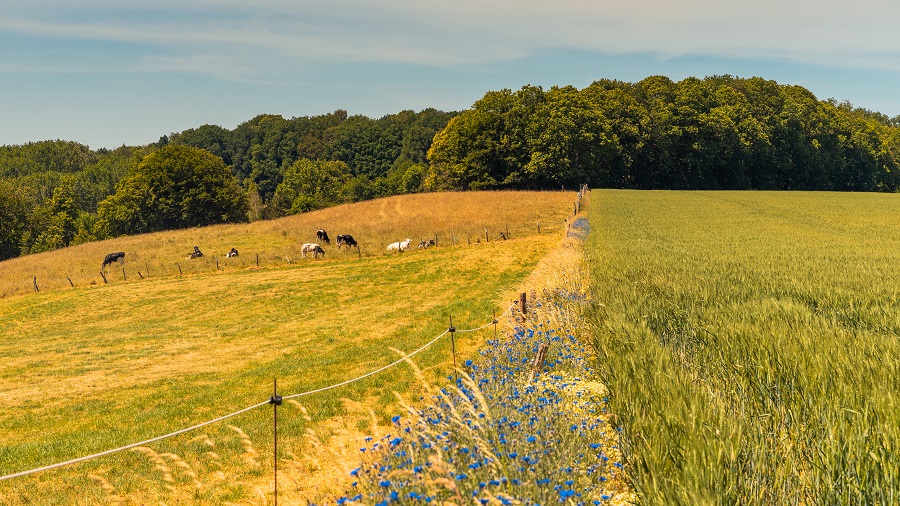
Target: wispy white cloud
(228,38)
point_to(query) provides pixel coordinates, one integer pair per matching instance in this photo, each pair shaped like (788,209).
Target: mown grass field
(97,366)
(751,342)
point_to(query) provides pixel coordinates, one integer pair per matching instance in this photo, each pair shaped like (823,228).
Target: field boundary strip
(250,408)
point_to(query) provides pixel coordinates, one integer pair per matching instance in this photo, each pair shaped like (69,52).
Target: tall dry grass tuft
(112,496)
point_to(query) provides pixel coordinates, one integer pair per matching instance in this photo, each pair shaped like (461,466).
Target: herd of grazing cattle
(312,248)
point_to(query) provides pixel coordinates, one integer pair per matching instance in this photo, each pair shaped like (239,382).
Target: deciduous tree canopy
(174,187)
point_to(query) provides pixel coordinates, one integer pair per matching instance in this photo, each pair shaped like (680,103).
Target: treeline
(716,133)
(60,193)
(719,132)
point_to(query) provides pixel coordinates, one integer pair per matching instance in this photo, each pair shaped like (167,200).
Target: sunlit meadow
(97,366)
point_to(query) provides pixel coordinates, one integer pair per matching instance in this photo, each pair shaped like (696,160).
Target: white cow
(313,248)
(399,246)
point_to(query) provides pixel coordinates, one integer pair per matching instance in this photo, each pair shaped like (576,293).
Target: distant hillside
(720,132)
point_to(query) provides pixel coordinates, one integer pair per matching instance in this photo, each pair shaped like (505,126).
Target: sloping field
(752,343)
(98,366)
(457,218)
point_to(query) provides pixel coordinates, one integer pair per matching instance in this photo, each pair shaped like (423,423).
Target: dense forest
(720,132)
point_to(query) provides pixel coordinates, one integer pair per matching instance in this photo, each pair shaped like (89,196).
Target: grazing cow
(113,257)
(426,244)
(399,246)
(315,249)
(323,236)
(346,240)
(197,253)
(232,253)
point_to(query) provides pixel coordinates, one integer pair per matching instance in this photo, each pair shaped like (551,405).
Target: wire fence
(272,400)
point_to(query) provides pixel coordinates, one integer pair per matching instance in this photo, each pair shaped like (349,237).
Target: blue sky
(107,73)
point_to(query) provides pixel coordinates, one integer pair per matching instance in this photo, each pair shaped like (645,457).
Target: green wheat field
(751,342)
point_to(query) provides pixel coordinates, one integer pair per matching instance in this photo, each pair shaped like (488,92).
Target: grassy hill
(101,365)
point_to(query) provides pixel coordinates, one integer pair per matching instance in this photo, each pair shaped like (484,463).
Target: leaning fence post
(179,269)
(538,363)
(275,401)
(35,284)
(70,281)
(452,331)
(217,262)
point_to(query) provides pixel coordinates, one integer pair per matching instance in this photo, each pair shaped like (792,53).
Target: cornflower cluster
(491,437)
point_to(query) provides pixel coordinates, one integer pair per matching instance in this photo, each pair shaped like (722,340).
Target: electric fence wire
(230,415)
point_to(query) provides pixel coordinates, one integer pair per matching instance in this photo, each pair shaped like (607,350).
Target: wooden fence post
(35,284)
(522,303)
(452,330)
(538,364)
(124,277)
(70,281)
(180,273)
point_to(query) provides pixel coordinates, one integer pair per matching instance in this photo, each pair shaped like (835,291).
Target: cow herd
(314,249)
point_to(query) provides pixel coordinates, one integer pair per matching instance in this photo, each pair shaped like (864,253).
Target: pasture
(100,365)
(751,342)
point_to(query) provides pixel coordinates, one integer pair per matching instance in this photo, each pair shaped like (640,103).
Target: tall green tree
(174,187)
(14,209)
(310,185)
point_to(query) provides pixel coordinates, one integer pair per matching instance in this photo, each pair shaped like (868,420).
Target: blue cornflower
(385,483)
(395,418)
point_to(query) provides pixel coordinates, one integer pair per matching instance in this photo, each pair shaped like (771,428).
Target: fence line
(244,410)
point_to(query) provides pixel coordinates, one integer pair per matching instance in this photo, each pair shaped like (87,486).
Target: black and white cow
(197,253)
(113,257)
(323,236)
(346,240)
(232,253)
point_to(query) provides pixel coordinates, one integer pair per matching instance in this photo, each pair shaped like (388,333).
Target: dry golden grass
(459,217)
(99,366)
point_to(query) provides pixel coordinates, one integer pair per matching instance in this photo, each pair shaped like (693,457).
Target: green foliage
(55,156)
(13,218)
(309,185)
(53,225)
(174,187)
(717,133)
